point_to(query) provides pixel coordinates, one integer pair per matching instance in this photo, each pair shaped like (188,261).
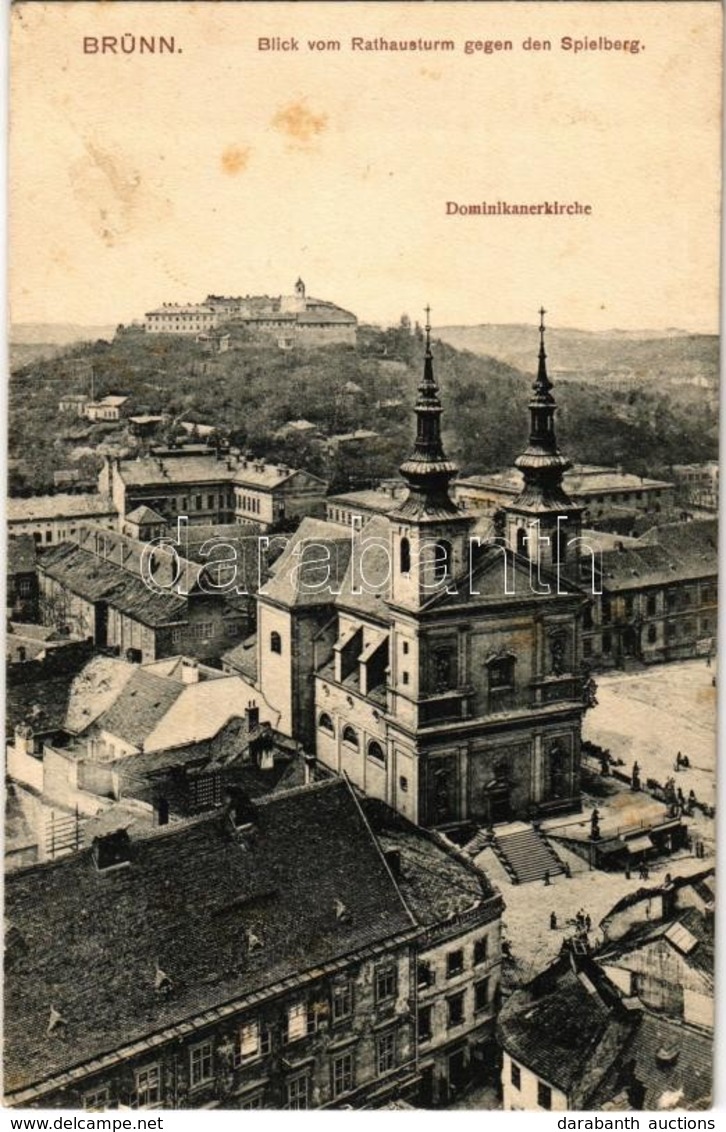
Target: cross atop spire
(542,385)
(427,328)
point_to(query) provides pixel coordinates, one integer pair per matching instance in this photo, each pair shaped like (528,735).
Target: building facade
(440,675)
(300,995)
(212,488)
(97,585)
(50,519)
(294,320)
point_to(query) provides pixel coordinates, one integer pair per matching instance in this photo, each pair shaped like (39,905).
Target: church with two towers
(440,672)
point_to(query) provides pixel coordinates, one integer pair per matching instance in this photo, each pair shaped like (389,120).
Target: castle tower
(429,534)
(542,521)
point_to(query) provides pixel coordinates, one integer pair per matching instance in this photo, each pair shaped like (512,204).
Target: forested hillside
(252,391)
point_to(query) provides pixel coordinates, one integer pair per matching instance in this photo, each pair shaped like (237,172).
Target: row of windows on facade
(456,1014)
(544,1092)
(224,502)
(674,598)
(673,629)
(253,1040)
(455,963)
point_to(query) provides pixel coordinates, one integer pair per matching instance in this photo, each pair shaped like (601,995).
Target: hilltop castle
(293,319)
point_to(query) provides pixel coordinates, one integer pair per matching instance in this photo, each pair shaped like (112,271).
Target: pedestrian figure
(691,802)
(681,797)
(627,871)
(553,921)
(568,870)
(547,876)
(708,659)
(685,762)
(635,779)
(677,765)
(595,825)
(588,923)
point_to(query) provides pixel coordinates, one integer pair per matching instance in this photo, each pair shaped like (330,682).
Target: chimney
(23,735)
(112,850)
(190,671)
(252,712)
(393,860)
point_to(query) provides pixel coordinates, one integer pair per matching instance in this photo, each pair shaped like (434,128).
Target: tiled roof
(202,709)
(305,574)
(435,880)
(96,579)
(94,690)
(243,658)
(39,507)
(700,957)
(369,571)
(582,479)
(144,701)
(675,552)
(92,941)
(371,500)
(151,470)
(555,1026)
(144,514)
(672,1061)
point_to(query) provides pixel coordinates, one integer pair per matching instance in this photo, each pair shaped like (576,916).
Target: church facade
(439,674)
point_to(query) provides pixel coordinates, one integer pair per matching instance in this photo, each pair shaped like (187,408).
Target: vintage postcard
(361,600)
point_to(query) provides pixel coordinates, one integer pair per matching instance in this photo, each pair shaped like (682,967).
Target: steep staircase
(525,854)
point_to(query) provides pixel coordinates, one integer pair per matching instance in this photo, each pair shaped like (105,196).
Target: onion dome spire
(542,451)
(427,470)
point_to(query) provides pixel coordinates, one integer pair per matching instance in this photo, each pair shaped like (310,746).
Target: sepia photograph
(362,496)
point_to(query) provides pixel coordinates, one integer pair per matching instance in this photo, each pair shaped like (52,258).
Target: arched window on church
(350,736)
(325,723)
(276,643)
(522,544)
(443,560)
(375,751)
(405,556)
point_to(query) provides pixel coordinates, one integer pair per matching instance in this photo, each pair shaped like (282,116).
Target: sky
(137,179)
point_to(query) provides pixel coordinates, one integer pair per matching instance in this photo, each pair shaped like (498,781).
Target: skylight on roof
(680,936)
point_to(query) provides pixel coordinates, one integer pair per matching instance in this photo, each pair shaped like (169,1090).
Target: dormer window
(113,851)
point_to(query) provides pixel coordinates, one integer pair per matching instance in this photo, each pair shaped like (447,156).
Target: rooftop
(436,881)
(556,1023)
(89,942)
(582,479)
(672,1062)
(144,514)
(98,579)
(39,507)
